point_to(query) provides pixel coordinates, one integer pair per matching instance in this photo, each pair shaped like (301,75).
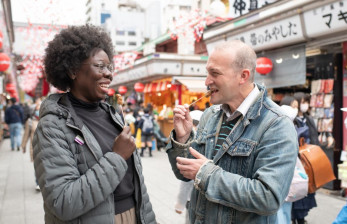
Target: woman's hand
(124,144)
(183,123)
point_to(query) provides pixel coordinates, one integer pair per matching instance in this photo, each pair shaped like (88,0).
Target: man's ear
(245,76)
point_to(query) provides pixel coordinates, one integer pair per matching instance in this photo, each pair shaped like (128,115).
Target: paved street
(20,203)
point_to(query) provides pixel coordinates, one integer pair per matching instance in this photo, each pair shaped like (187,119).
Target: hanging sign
(264,65)
(10,88)
(139,87)
(110,92)
(4,62)
(122,90)
(329,18)
(283,32)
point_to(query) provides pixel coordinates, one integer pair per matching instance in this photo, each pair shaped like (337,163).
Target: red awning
(162,86)
(150,88)
(156,87)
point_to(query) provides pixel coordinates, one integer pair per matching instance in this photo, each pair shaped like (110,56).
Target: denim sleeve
(272,172)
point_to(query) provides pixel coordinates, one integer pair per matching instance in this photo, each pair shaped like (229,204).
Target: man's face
(93,79)
(221,78)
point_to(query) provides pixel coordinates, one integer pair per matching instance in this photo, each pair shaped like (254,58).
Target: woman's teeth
(104,86)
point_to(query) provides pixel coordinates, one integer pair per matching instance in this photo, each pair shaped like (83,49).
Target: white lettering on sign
(327,19)
(285,31)
(264,66)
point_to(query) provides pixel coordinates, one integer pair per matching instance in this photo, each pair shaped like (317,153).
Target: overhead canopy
(150,88)
(194,84)
(156,87)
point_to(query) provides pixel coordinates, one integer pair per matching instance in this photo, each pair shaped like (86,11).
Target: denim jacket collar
(253,113)
(254,110)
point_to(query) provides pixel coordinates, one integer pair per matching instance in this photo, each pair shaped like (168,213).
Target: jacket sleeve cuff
(173,144)
(203,175)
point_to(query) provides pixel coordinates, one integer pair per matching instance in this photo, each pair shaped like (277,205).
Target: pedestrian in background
(27,111)
(14,118)
(306,128)
(243,155)
(29,130)
(147,132)
(130,120)
(30,126)
(84,155)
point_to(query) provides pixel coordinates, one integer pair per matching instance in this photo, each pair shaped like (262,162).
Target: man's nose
(208,80)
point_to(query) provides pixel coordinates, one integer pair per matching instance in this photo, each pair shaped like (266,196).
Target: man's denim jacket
(249,178)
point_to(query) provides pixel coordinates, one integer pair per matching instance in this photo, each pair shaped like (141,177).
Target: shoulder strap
(301,141)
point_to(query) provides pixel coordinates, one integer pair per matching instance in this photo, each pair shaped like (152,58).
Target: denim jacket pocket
(241,156)
(201,138)
(205,141)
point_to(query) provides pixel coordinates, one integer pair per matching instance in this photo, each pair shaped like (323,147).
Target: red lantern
(4,62)
(139,87)
(111,92)
(264,65)
(10,88)
(122,90)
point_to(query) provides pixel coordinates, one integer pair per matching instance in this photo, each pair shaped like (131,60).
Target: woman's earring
(73,76)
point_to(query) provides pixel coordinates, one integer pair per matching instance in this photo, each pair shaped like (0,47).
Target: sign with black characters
(327,19)
(283,32)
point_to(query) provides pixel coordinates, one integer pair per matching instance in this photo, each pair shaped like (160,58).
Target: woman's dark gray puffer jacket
(78,181)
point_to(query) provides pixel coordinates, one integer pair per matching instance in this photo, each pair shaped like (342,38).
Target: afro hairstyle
(65,54)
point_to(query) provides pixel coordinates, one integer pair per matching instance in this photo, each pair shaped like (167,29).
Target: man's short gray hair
(244,56)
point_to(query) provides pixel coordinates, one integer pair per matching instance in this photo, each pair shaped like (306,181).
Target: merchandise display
(322,109)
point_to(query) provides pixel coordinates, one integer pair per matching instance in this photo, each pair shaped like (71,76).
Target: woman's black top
(100,123)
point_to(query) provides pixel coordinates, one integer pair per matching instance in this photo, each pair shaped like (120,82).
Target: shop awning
(156,87)
(162,86)
(194,84)
(150,88)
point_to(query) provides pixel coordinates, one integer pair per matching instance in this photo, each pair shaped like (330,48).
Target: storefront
(168,79)
(304,40)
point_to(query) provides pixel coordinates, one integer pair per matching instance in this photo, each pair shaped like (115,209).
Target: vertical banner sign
(344,114)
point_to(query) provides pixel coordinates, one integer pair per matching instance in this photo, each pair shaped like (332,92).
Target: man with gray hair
(243,154)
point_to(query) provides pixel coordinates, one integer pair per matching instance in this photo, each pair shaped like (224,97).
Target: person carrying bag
(317,165)
(299,186)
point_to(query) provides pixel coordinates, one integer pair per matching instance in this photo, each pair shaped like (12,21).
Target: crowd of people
(20,121)
(236,159)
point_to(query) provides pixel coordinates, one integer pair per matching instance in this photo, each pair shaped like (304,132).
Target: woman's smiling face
(92,80)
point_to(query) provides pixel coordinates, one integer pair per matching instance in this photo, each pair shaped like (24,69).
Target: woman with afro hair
(85,158)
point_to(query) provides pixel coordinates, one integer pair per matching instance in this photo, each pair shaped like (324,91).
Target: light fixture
(296,56)
(217,8)
(279,60)
(313,52)
(158,94)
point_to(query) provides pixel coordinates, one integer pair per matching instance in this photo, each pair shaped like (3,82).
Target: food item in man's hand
(207,94)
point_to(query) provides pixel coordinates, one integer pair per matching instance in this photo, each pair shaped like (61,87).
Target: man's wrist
(182,139)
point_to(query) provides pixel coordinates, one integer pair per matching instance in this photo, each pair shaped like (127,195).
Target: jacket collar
(60,105)
(254,110)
